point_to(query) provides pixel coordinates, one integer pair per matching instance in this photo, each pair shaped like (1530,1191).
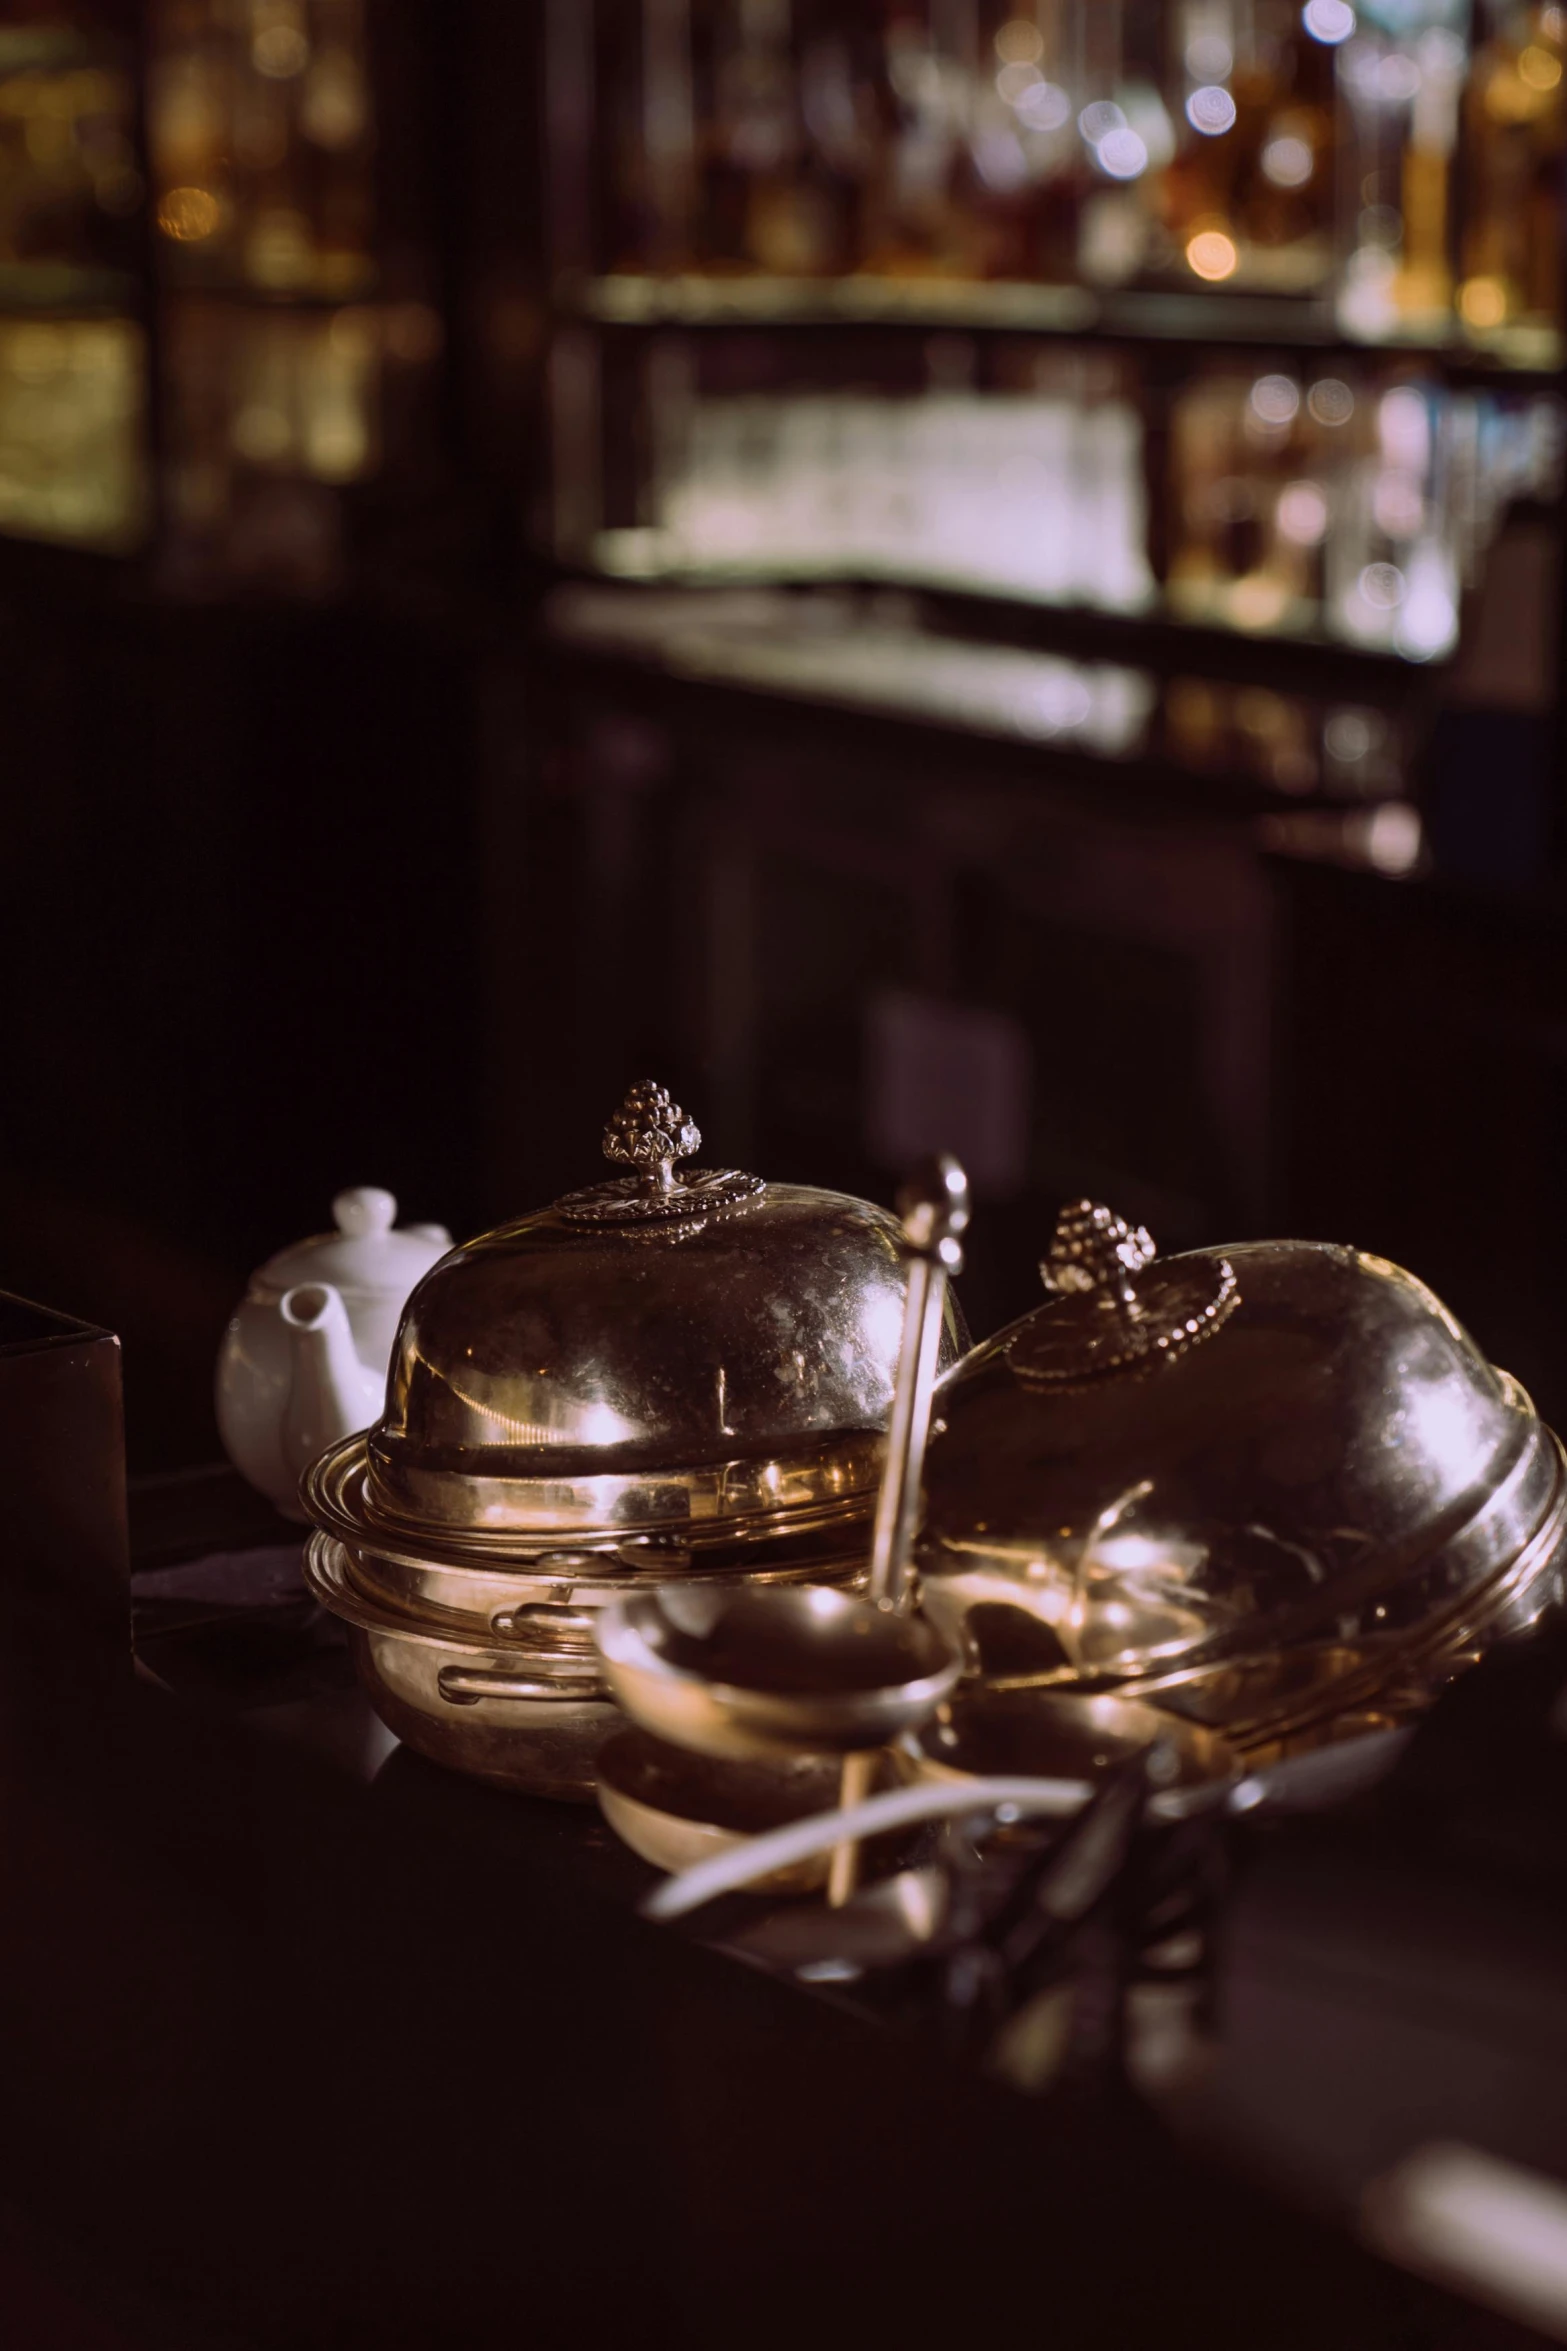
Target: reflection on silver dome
(674,1347)
(1330,1463)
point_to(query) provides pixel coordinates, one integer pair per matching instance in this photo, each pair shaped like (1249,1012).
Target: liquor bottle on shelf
(1028,170)
(752,209)
(258,126)
(1393,574)
(188,128)
(915,224)
(1416,523)
(331,125)
(838,121)
(1515,139)
(1244,731)
(1127,141)
(272,410)
(72,446)
(1289,147)
(1340,505)
(1401,79)
(1256,461)
(259,132)
(72,452)
(1248,197)
(758,131)
(69,189)
(1294,744)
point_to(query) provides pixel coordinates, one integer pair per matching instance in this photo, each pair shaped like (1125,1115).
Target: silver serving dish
(1264,1486)
(520,1718)
(672,1375)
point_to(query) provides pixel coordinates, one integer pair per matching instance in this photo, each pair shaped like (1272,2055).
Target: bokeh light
(1330,401)
(1330,21)
(1482,302)
(1303,514)
(1019,42)
(1209,57)
(1097,121)
(1211,110)
(1288,162)
(1382,585)
(1276,399)
(1212,255)
(1045,107)
(1122,154)
(189,215)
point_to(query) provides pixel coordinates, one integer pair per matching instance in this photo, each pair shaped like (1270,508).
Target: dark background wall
(239,955)
(386,888)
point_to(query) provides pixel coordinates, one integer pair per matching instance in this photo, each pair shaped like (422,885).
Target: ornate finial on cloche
(1094,1249)
(1116,1308)
(650,1132)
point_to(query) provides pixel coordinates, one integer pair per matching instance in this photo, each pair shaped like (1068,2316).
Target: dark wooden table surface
(307,2044)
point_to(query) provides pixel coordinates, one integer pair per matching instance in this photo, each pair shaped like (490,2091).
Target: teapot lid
(368,1254)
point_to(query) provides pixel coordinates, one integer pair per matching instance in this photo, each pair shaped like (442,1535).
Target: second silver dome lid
(1211,1456)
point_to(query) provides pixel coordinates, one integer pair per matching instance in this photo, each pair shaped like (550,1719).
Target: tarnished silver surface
(672,1373)
(475,1582)
(694,1505)
(672,1378)
(1333,1471)
(513,1713)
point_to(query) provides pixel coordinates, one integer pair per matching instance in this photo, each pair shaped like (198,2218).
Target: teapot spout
(331,1393)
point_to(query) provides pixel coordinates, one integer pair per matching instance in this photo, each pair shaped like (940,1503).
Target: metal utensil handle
(900,1808)
(934,1205)
(568,1625)
(462,1686)
(854,1788)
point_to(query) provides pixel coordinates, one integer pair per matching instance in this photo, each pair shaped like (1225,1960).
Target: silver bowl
(756,1673)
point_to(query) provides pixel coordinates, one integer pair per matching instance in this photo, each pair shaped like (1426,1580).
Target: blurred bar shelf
(1169,643)
(1158,637)
(47,289)
(57,48)
(1216,320)
(1069,713)
(244,293)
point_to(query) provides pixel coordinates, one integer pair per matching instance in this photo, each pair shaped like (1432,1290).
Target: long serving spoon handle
(934,1206)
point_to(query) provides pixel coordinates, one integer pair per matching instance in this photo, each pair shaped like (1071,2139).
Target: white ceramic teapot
(304,1358)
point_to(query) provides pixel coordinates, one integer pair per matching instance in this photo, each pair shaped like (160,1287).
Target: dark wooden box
(64,1572)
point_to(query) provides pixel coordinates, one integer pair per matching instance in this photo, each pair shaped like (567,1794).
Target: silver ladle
(742,1674)
(934,1206)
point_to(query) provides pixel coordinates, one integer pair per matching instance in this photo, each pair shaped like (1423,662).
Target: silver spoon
(934,1206)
